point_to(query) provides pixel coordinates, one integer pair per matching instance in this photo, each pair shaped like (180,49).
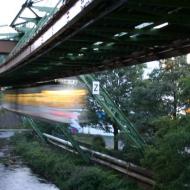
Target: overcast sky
(8,11)
(10,8)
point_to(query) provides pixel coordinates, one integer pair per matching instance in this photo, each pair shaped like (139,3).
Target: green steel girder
(27,20)
(67,61)
(22,29)
(147,18)
(133,43)
(30,5)
(90,47)
(30,8)
(89,37)
(34,20)
(44,9)
(115,114)
(27,5)
(75,144)
(132,13)
(38,21)
(161,3)
(107,32)
(161,14)
(27,121)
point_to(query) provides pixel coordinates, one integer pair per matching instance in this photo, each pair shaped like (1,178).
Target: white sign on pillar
(96,87)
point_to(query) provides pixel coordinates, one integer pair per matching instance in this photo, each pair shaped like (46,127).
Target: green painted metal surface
(58,128)
(67,134)
(39,22)
(115,114)
(29,122)
(99,39)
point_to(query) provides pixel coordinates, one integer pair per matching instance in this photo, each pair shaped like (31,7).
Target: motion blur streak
(63,102)
(74,98)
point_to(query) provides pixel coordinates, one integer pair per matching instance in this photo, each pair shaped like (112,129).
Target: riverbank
(67,171)
(14,174)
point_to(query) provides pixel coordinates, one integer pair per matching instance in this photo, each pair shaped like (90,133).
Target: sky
(8,11)
(150,66)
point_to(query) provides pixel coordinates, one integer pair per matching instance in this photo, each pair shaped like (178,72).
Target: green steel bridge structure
(75,37)
(85,36)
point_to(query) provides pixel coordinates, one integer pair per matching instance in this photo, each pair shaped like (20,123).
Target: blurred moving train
(63,101)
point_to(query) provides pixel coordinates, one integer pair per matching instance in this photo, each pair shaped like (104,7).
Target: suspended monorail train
(63,100)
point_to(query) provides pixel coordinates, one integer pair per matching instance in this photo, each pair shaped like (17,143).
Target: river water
(14,175)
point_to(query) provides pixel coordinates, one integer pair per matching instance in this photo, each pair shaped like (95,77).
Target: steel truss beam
(115,114)
(69,137)
(27,121)
(108,21)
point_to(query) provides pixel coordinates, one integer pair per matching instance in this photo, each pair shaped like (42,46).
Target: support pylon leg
(75,144)
(118,118)
(27,121)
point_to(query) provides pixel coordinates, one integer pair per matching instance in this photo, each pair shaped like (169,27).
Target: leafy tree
(164,93)
(146,103)
(168,81)
(169,158)
(119,83)
(185,93)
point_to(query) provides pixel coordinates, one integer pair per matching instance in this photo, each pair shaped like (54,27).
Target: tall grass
(67,171)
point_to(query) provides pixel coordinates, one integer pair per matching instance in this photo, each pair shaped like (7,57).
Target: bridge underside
(107,35)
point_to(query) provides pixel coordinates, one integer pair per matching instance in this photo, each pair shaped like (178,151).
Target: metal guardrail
(138,173)
(15,130)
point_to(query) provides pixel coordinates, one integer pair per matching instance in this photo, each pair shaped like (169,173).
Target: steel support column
(115,114)
(29,121)
(75,144)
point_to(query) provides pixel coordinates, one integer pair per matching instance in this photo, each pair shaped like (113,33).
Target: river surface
(14,175)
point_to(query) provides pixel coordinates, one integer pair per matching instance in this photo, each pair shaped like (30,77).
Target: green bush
(98,142)
(68,171)
(169,158)
(131,154)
